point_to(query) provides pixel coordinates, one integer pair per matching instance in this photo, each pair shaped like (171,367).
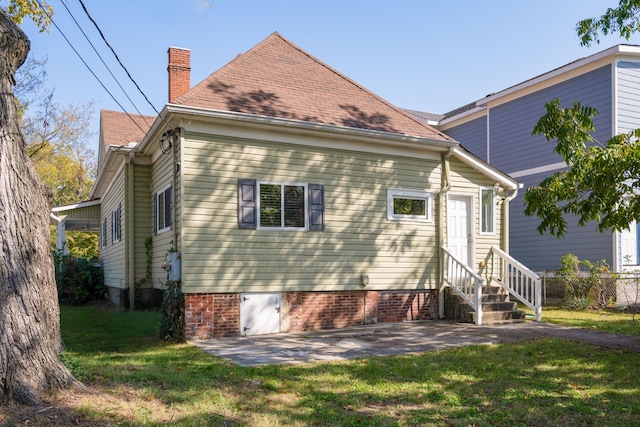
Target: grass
(615,322)
(135,379)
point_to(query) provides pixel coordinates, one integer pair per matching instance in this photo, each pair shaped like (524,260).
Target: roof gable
(118,129)
(278,79)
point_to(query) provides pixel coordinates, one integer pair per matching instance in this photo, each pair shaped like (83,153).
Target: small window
(116,227)
(411,205)
(282,206)
(103,233)
(487,211)
(163,210)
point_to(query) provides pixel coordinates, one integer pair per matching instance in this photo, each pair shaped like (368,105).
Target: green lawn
(138,380)
(616,322)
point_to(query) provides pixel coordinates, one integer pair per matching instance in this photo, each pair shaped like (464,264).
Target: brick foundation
(218,315)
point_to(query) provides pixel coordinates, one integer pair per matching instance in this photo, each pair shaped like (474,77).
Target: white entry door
(259,313)
(459,230)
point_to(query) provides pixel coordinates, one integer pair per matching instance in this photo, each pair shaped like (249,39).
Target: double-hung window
(487,211)
(282,206)
(116,226)
(409,205)
(162,210)
(266,205)
(103,233)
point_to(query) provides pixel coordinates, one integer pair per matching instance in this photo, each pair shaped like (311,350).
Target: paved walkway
(389,339)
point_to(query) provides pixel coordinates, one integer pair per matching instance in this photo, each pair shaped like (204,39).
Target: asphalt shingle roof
(278,79)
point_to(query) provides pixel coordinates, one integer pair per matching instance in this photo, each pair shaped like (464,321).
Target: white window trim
(306,206)
(157,213)
(403,193)
(493,212)
(103,232)
(116,225)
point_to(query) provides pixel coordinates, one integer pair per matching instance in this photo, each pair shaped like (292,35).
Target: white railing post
(464,281)
(538,309)
(520,282)
(478,306)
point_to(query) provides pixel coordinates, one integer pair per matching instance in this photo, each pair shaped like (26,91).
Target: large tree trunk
(29,313)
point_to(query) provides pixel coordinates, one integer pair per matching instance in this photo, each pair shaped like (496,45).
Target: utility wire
(86,65)
(103,63)
(118,59)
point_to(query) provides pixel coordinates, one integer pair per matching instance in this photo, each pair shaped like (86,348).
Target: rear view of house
(286,197)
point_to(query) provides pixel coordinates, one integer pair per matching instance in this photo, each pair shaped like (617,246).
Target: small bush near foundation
(78,280)
(172,323)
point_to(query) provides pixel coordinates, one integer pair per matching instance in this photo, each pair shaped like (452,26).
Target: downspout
(177,136)
(445,182)
(130,232)
(505,219)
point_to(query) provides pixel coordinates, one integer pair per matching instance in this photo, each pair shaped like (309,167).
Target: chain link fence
(614,289)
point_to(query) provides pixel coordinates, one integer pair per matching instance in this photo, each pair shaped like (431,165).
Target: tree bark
(29,312)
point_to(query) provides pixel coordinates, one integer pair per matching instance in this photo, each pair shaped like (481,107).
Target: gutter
(252,120)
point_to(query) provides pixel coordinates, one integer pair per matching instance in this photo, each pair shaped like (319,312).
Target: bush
(172,324)
(586,283)
(78,280)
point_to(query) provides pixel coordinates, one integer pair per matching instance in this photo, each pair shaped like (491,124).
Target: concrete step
(491,317)
(499,306)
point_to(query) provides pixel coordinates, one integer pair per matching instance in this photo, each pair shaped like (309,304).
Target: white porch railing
(518,280)
(464,281)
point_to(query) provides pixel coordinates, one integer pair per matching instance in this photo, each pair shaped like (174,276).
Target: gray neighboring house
(498,129)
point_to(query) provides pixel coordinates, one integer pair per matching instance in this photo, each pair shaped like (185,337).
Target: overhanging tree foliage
(602,182)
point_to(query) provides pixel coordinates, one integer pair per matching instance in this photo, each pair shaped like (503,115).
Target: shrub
(172,323)
(78,280)
(587,284)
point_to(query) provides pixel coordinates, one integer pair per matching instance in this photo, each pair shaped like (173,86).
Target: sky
(425,55)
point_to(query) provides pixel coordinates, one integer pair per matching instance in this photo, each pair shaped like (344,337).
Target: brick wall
(218,315)
(324,310)
(212,315)
(198,315)
(400,306)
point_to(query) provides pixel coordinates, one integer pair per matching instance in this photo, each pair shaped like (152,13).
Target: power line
(103,63)
(87,65)
(116,55)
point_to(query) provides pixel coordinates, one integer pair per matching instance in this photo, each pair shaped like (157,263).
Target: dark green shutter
(247,208)
(316,207)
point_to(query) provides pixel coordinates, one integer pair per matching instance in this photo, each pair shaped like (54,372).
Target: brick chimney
(179,71)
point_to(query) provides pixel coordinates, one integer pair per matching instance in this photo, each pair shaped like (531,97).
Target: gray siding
(513,148)
(540,252)
(472,135)
(628,100)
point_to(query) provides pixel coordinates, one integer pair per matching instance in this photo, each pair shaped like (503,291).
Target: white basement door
(260,313)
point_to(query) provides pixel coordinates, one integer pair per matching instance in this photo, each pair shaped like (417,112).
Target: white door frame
(471,216)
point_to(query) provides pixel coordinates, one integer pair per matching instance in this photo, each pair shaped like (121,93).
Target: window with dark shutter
(280,206)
